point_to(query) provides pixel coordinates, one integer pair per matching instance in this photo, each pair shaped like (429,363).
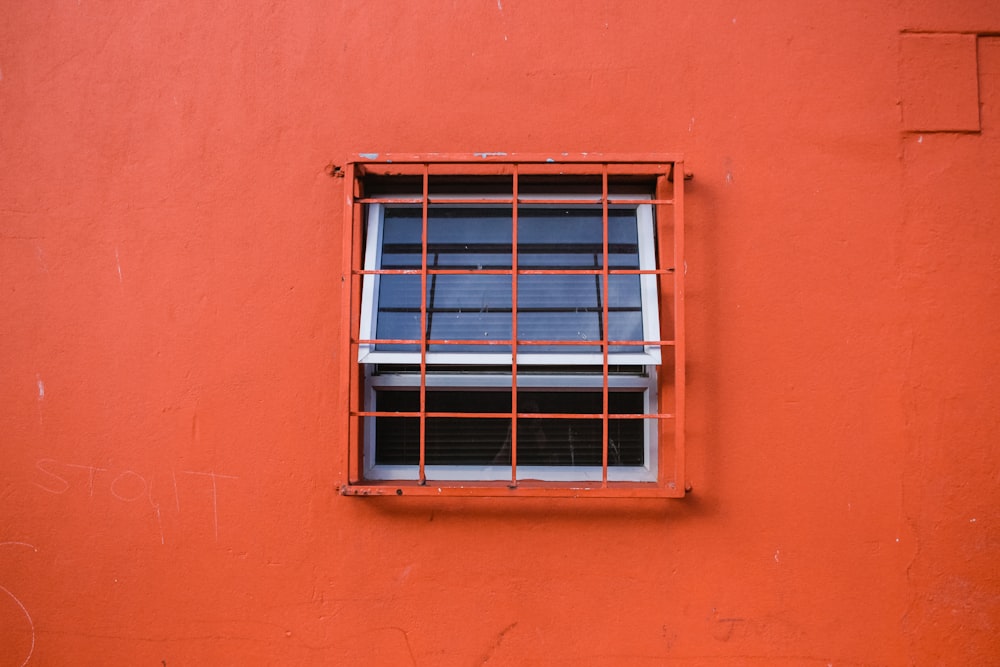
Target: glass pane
(559,308)
(624,312)
(450,441)
(572,238)
(459,307)
(398,315)
(401,233)
(571,308)
(478,307)
(469,238)
(457,238)
(463,307)
(487,441)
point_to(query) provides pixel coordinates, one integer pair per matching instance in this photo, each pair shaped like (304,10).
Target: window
(516,326)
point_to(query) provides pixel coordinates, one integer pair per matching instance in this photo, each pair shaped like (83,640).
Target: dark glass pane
(398,315)
(461,307)
(450,441)
(457,238)
(486,441)
(571,308)
(401,238)
(572,238)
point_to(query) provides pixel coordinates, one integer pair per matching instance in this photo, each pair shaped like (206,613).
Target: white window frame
(646,383)
(650,354)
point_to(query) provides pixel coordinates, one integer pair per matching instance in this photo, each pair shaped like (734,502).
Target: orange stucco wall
(170,288)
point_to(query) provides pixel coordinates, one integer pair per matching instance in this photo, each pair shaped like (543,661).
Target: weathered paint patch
(938,79)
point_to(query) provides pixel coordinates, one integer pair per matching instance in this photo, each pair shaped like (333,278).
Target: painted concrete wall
(169,308)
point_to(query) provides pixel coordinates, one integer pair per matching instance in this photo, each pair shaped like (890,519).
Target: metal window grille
(665,176)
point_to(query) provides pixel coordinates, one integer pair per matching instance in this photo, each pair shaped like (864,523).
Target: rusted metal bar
(493,342)
(664,161)
(422,474)
(520,415)
(605,347)
(350,315)
(507,272)
(680,354)
(666,257)
(513,329)
(524,489)
(466,201)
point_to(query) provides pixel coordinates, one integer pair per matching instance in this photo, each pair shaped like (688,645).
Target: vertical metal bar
(605,337)
(351,226)
(665,259)
(679,334)
(513,330)
(425,195)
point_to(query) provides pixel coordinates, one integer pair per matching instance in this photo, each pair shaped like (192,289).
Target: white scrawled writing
(129,486)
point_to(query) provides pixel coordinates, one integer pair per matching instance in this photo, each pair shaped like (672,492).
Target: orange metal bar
(507,272)
(605,347)
(494,170)
(493,342)
(591,272)
(391,200)
(423,331)
(349,251)
(633,343)
(496,164)
(524,489)
(665,258)
(520,415)
(513,329)
(444,201)
(680,372)
(662,160)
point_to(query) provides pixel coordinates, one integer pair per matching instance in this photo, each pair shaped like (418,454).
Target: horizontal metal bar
(389,272)
(520,415)
(449,201)
(507,272)
(593,272)
(523,489)
(497,168)
(584,168)
(520,158)
(583,310)
(500,341)
(389,200)
(472,248)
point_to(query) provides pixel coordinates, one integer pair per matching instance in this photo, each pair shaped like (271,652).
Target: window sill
(524,489)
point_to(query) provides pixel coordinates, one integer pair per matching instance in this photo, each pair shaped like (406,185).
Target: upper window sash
(497,285)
